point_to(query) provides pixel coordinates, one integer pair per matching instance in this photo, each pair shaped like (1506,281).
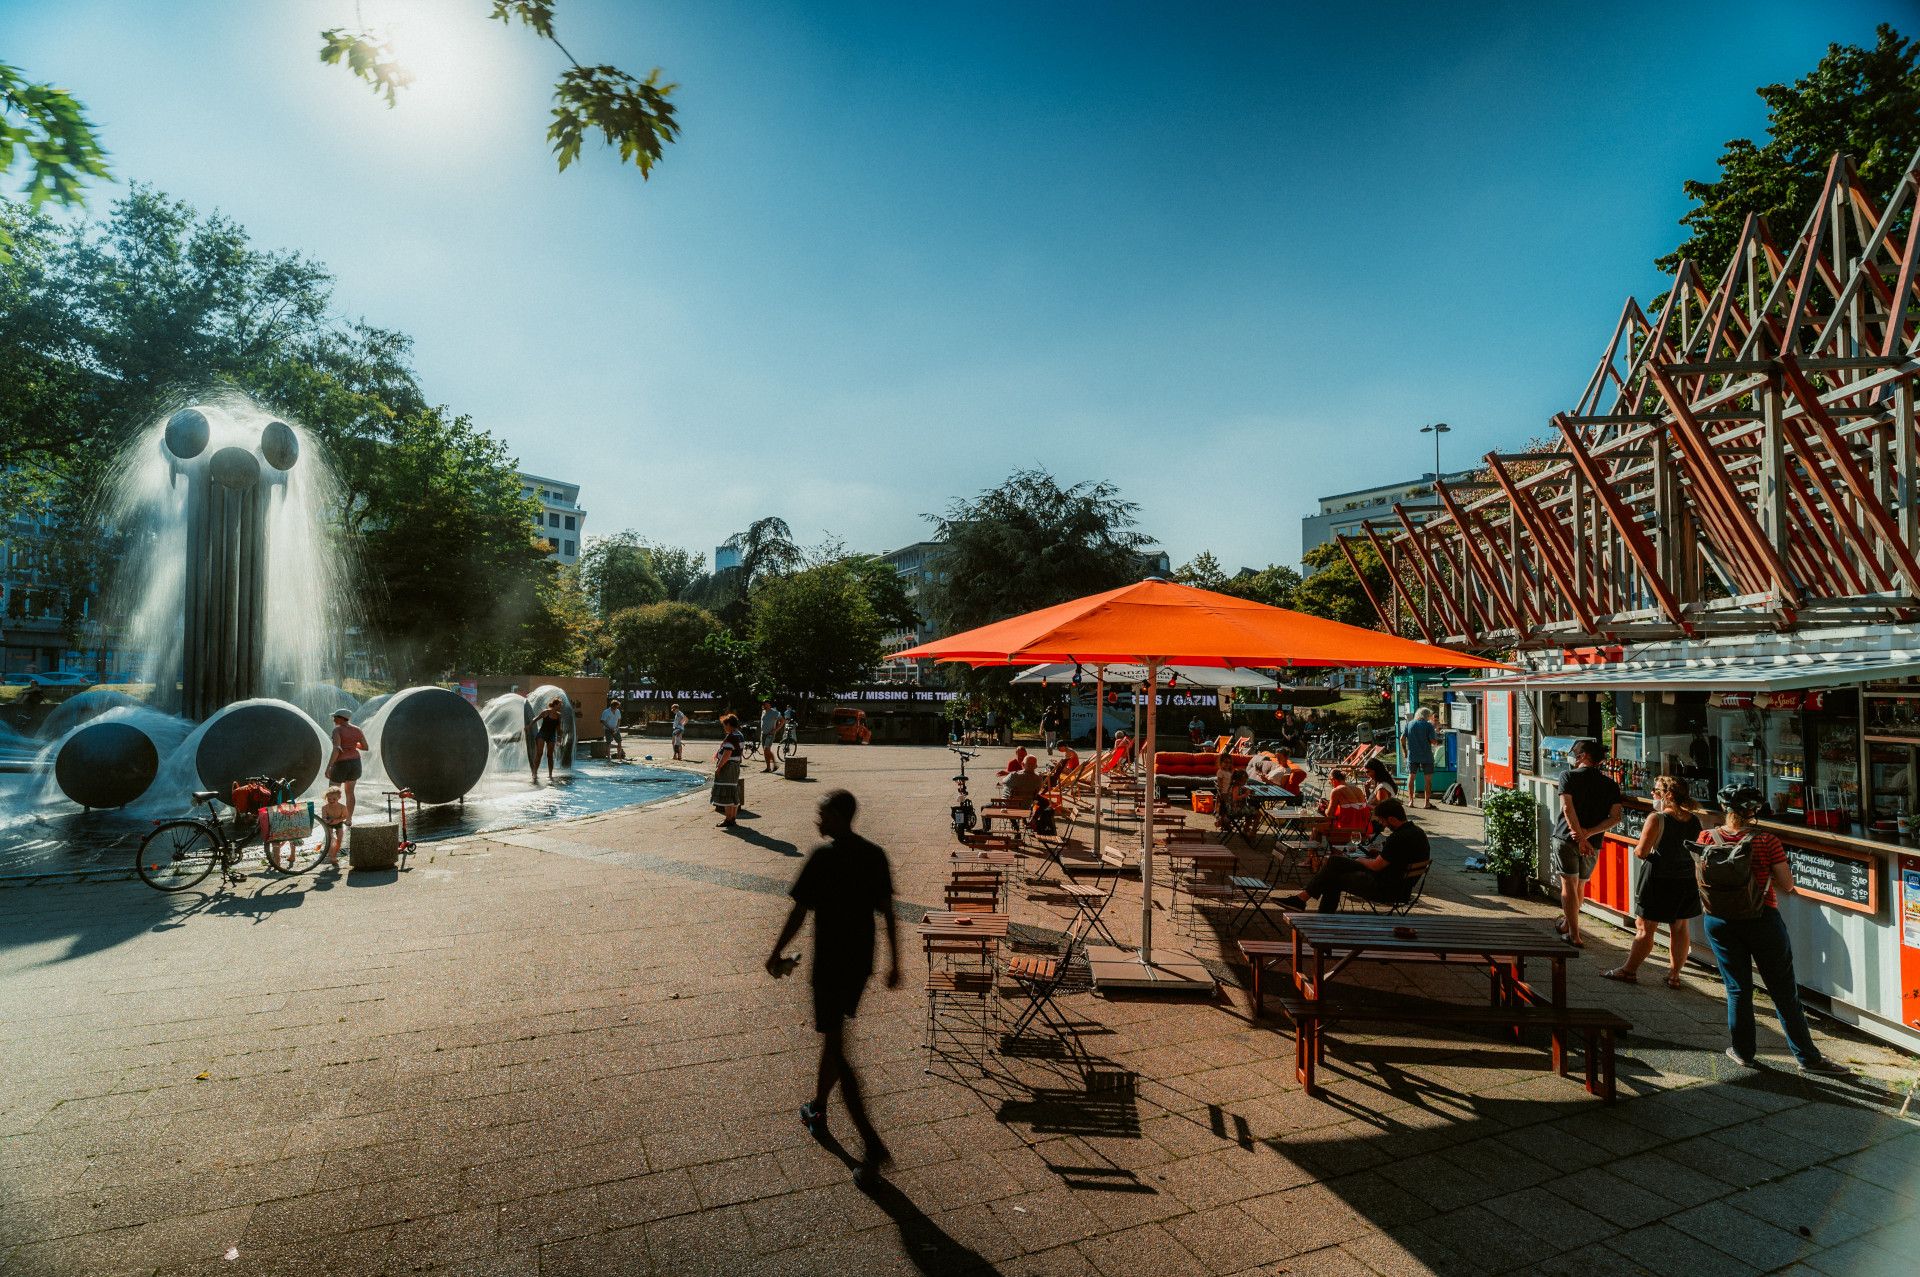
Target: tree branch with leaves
(632,114)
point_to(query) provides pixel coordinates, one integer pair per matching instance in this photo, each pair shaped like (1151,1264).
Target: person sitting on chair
(1023,785)
(1065,764)
(1016,763)
(1273,767)
(1341,792)
(1380,877)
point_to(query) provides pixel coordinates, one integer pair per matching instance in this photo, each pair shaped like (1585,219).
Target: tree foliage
(1861,101)
(618,573)
(1028,544)
(1331,589)
(664,644)
(816,631)
(1276,585)
(105,327)
(634,115)
(49,129)
(1202,571)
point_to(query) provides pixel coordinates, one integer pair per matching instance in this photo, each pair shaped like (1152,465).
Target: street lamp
(1437,429)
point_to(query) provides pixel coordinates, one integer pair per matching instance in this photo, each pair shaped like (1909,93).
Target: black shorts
(834,1002)
(344,770)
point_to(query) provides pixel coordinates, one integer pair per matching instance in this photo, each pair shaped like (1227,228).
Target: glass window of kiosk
(1663,734)
(1800,749)
(1892,720)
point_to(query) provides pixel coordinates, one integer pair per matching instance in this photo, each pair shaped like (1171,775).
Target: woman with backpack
(1667,892)
(1740,870)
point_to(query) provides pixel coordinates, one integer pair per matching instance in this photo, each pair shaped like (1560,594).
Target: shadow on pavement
(930,1247)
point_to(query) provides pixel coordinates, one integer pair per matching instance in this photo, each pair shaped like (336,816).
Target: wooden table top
(1272,793)
(1515,937)
(999,858)
(965,926)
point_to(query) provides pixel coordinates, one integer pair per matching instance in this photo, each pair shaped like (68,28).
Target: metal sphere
(433,742)
(279,445)
(235,468)
(258,738)
(106,765)
(187,433)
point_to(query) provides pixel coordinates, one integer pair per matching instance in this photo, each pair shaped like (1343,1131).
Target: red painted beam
(1639,546)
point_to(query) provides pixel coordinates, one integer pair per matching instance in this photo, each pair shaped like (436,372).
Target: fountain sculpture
(238,602)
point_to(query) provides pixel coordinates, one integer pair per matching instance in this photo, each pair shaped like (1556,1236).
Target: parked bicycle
(962,813)
(180,853)
(789,737)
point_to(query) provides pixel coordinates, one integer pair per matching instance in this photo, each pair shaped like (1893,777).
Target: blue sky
(1228,256)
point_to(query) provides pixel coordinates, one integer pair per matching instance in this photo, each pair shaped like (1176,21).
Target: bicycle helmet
(1744,799)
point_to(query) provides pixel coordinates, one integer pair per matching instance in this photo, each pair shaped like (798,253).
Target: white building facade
(562,523)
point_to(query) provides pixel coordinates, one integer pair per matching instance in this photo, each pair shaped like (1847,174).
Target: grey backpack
(1723,865)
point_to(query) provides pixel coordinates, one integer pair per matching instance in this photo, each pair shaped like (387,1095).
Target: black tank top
(1671,859)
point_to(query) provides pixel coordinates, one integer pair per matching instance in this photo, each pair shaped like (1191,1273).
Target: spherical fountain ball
(258,738)
(106,765)
(434,742)
(187,433)
(234,468)
(279,445)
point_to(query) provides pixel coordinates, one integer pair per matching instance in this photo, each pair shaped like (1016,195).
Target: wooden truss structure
(1743,459)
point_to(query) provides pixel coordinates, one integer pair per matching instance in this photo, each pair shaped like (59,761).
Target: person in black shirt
(845,882)
(1381,877)
(1589,806)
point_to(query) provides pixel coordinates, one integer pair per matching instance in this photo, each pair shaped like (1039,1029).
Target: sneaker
(813,1118)
(1744,1061)
(1823,1067)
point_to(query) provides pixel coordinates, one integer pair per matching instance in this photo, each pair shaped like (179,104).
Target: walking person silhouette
(845,882)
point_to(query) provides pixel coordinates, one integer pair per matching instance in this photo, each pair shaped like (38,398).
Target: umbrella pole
(1146,823)
(1099,765)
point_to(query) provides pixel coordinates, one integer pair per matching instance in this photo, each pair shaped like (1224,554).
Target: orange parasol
(1155,623)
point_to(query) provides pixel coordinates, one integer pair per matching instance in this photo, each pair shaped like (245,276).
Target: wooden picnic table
(1324,944)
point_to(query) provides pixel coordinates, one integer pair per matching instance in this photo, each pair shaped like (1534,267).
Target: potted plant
(1510,838)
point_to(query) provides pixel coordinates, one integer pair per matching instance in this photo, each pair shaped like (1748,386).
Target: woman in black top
(1667,891)
(726,772)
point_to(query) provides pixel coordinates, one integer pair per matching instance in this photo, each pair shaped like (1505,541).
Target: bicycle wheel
(177,855)
(789,747)
(297,857)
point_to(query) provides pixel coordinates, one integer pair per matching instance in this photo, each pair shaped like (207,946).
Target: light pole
(1437,429)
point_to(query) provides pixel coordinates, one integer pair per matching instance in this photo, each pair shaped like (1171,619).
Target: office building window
(568,552)
(553,520)
(569,523)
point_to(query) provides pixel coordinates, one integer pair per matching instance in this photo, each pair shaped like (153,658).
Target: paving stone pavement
(554,1050)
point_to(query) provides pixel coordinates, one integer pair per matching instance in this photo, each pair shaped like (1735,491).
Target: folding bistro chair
(1351,825)
(960,1008)
(1041,980)
(1090,903)
(1413,886)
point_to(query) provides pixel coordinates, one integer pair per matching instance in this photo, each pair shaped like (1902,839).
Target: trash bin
(796,767)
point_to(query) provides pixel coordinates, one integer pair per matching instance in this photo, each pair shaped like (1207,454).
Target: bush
(1510,839)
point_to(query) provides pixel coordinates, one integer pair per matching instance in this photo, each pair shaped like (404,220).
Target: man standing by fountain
(343,766)
(769,733)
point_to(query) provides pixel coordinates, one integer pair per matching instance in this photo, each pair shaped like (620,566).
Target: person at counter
(1667,891)
(1589,806)
(1741,870)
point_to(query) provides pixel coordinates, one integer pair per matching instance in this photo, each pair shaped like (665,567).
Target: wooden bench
(1598,1028)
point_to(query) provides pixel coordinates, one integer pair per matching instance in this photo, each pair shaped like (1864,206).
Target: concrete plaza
(555,1051)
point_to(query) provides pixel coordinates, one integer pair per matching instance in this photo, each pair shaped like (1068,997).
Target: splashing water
(306,608)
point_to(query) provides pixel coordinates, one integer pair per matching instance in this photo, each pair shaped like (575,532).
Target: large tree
(1028,544)
(1276,585)
(1863,101)
(1333,591)
(816,631)
(662,644)
(618,573)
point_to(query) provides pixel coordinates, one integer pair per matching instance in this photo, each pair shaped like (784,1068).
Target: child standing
(333,820)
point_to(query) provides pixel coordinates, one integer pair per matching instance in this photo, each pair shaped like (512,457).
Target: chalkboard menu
(1523,736)
(1845,879)
(1632,821)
